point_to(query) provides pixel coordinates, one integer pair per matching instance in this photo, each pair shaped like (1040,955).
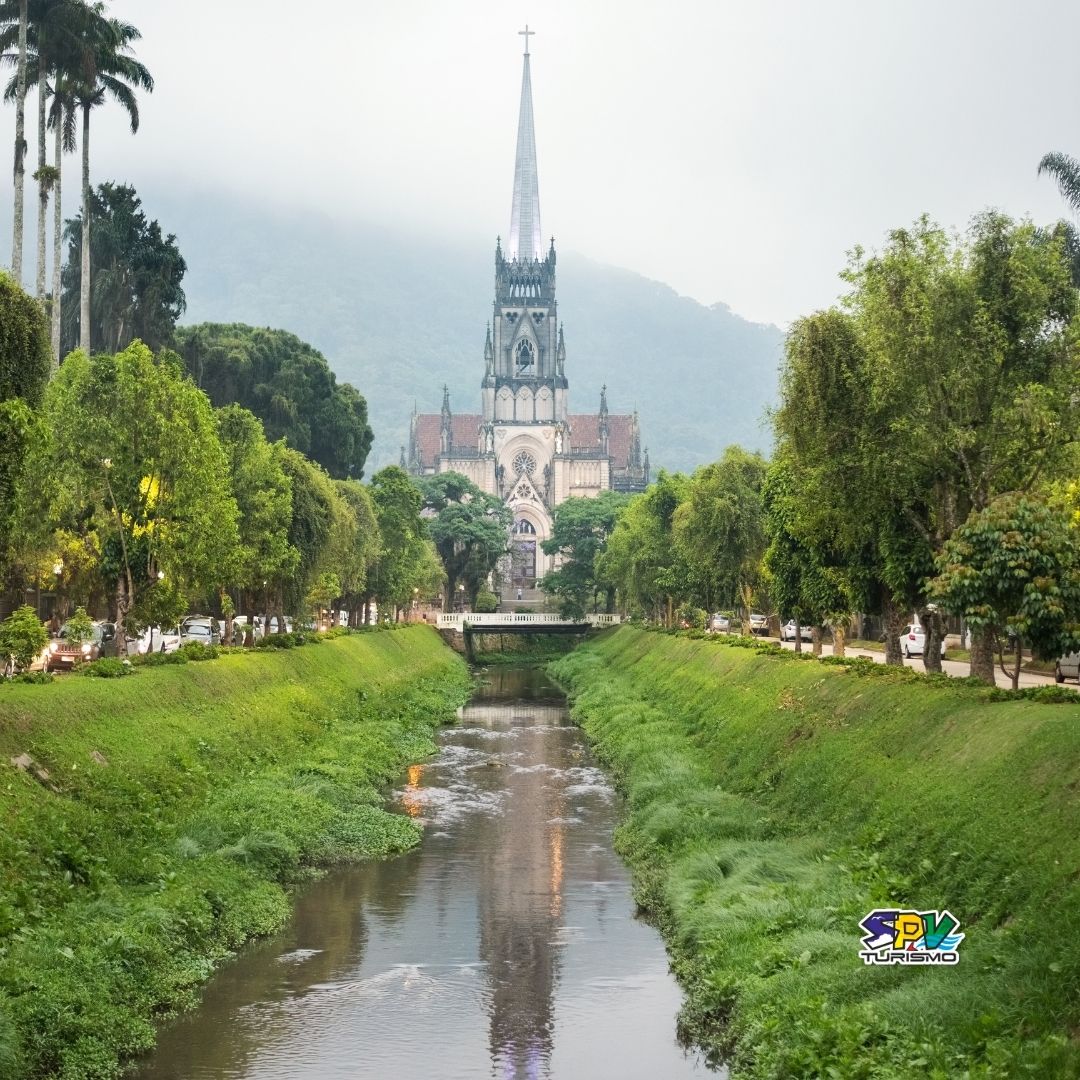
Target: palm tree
(1066,171)
(54,29)
(20,23)
(105,69)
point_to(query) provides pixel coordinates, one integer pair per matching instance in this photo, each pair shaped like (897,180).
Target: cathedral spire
(524,241)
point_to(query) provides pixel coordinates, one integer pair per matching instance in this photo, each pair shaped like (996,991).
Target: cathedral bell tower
(524,380)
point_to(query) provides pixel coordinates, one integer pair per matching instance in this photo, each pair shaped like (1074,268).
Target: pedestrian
(519,592)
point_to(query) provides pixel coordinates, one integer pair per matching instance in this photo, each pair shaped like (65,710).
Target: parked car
(62,654)
(241,623)
(1068,667)
(913,641)
(155,640)
(280,626)
(200,628)
(759,624)
(789,630)
(719,624)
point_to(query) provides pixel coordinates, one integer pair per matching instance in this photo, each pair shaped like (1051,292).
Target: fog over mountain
(398,316)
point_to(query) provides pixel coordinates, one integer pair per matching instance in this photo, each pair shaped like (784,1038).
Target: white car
(759,624)
(719,623)
(1068,667)
(155,640)
(200,629)
(789,630)
(913,641)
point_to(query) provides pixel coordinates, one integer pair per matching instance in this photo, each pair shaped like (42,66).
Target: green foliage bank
(773,802)
(157,821)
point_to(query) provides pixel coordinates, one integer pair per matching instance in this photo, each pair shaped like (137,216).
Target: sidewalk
(949,667)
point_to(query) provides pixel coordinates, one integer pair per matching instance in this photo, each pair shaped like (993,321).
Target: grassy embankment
(175,809)
(773,802)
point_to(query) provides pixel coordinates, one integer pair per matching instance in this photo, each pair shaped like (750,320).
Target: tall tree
(136,274)
(719,530)
(579,536)
(406,559)
(20,145)
(1013,568)
(55,29)
(288,385)
(470,529)
(104,69)
(24,344)
(132,447)
(263,495)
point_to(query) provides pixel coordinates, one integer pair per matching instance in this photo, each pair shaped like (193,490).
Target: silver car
(719,624)
(1068,667)
(759,624)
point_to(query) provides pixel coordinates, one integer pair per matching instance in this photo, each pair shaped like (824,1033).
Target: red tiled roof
(464,429)
(585,434)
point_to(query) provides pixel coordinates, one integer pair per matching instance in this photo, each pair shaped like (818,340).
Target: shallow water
(505,946)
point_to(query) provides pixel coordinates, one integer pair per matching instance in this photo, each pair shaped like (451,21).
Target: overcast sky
(732,150)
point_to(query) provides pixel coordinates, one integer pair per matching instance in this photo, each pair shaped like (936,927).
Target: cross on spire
(526,34)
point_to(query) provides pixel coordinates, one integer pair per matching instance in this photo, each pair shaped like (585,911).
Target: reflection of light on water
(556,870)
(410,798)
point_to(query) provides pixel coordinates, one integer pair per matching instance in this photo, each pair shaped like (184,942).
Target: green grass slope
(773,802)
(166,814)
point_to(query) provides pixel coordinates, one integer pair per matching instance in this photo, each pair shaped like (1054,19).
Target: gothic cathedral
(526,445)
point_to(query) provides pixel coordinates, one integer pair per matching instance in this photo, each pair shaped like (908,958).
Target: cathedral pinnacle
(525,237)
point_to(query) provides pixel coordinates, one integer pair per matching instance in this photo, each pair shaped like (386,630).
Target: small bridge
(521,622)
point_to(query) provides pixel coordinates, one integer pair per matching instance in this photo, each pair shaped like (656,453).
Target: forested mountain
(398,316)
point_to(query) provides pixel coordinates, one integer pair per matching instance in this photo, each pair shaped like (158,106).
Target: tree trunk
(20,150)
(1014,675)
(43,187)
(121,616)
(58,243)
(84,276)
(895,621)
(982,656)
(798,636)
(815,641)
(930,621)
(839,639)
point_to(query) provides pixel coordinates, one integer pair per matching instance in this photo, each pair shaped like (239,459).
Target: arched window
(524,528)
(526,358)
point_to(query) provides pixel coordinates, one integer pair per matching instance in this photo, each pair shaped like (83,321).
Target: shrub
(486,602)
(109,667)
(34,677)
(22,636)
(193,650)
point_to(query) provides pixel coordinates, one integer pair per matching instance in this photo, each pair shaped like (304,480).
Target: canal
(506,945)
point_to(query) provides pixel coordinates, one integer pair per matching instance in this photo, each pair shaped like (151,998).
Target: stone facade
(524,445)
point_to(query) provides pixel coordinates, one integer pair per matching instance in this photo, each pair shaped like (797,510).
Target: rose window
(524,463)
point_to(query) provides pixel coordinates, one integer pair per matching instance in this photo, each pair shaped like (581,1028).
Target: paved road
(950,667)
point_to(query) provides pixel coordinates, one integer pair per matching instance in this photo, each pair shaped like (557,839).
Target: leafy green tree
(470,529)
(719,530)
(641,556)
(132,453)
(360,546)
(288,385)
(22,637)
(578,536)
(135,270)
(318,522)
(24,344)
(17,430)
(407,564)
(1014,567)
(80,627)
(263,495)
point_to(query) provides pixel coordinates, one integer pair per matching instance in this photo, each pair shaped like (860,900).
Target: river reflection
(505,946)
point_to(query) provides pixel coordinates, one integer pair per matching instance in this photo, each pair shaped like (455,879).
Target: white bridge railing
(493,620)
